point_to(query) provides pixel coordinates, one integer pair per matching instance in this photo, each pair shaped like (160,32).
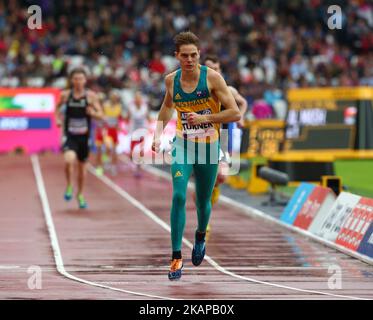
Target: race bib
(112,122)
(196,131)
(77,126)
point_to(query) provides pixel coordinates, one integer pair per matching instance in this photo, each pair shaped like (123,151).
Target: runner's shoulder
(214,76)
(233,90)
(92,94)
(65,94)
(169,78)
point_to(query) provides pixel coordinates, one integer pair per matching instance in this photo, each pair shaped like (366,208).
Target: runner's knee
(203,205)
(70,157)
(178,199)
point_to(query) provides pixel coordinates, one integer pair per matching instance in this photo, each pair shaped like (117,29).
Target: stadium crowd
(265,46)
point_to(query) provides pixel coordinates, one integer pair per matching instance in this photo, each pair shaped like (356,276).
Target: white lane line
(54,239)
(110,183)
(255,213)
(252,212)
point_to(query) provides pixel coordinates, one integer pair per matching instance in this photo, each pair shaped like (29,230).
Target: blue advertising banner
(296,202)
(366,244)
(24,123)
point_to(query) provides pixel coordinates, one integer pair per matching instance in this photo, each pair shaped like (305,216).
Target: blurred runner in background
(213,62)
(107,134)
(138,117)
(81,105)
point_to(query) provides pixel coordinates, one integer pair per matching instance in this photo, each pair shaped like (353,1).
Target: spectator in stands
(280,42)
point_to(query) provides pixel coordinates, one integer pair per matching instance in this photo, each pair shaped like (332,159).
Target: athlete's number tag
(197,130)
(78,126)
(112,122)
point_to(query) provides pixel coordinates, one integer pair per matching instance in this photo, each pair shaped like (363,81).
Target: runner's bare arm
(94,109)
(61,102)
(165,114)
(222,92)
(148,117)
(242,104)
(126,114)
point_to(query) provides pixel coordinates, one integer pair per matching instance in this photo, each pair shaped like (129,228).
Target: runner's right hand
(241,123)
(156,145)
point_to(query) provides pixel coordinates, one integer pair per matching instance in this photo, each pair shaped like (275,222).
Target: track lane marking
(110,183)
(54,239)
(252,212)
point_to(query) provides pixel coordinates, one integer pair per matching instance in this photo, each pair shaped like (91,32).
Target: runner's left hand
(194,118)
(91,111)
(59,123)
(241,123)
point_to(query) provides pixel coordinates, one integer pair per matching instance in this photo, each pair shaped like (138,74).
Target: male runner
(196,92)
(213,62)
(107,132)
(138,116)
(81,106)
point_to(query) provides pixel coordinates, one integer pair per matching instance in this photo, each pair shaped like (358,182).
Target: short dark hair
(76,70)
(212,57)
(184,38)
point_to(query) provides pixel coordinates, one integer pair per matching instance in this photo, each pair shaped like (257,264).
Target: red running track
(118,249)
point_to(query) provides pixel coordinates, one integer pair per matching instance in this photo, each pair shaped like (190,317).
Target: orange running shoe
(208,229)
(175,269)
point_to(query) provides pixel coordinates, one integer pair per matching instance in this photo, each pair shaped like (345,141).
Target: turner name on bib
(78,125)
(196,130)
